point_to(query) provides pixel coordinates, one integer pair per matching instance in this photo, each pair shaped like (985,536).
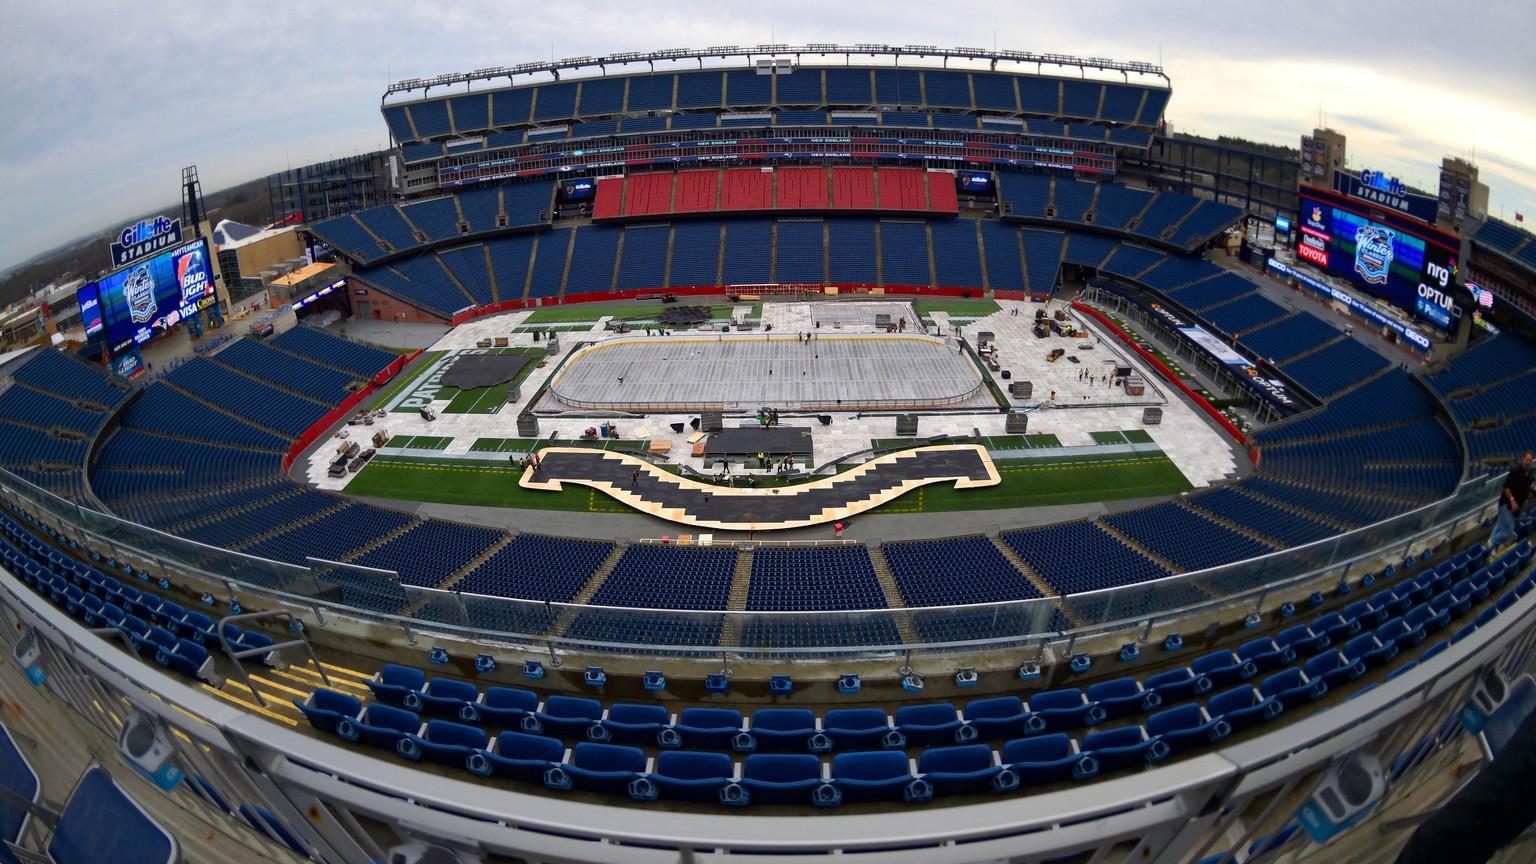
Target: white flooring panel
(1201,451)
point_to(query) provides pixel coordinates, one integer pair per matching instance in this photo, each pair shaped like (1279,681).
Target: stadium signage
(1383,183)
(1388,192)
(90,313)
(1354,304)
(1312,250)
(144,239)
(1373,253)
(127,365)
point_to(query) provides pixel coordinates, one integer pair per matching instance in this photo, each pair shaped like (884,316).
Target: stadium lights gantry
(772,50)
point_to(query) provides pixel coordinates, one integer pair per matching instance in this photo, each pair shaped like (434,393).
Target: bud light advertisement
(142,301)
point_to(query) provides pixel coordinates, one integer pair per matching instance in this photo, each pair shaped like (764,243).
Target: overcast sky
(104,104)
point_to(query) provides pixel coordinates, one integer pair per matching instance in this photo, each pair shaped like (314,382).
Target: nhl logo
(1373,253)
(139,292)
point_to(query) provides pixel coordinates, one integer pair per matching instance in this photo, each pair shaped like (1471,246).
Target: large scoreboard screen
(1401,268)
(141,301)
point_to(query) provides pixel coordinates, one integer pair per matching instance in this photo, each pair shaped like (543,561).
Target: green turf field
(956,308)
(420,442)
(1037,483)
(523,445)
(1025,483)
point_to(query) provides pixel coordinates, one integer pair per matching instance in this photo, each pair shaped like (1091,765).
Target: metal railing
(342,804)
(378,596)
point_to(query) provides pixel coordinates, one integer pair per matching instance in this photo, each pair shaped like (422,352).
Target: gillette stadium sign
(1388,193)
(146,238)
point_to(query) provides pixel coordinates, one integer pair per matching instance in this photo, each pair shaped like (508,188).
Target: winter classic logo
(1373,253)
(139,292)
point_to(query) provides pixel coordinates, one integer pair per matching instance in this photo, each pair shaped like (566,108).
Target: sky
(103,107)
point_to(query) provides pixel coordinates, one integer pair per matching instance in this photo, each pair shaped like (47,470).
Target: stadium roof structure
(772,50)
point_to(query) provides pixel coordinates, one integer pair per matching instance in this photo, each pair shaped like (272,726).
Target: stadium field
(1068,479)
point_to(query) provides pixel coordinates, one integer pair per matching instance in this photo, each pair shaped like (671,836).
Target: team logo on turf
(1373,253)
(139,292)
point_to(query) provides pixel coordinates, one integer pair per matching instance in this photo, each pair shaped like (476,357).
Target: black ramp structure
(771,441)
(472,371)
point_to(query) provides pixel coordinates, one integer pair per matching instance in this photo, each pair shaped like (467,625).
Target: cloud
(106,104)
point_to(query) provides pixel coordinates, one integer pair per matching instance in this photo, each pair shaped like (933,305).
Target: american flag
(1485,298)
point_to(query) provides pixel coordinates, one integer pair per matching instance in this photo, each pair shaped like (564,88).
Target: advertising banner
(149,297)
(1358,307)
(1406,271)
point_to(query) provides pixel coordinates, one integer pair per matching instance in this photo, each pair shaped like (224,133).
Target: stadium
(870,436)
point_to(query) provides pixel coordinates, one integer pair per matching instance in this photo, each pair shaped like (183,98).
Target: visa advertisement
(1406,271)
(142,301)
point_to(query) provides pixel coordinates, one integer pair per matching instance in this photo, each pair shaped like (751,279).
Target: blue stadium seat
(518,756)
(785,730)
(964,770)
(711,728)
(380,726)
(1056,710)
(876,776)
(1123,747)
(692,775)
(1186,726)
(445,697)
(394,683)
(1176,684)
(102,822)
(996,717)
(1244,706)
(1122,697)
(860,728)
(444,742)
(1292,688)
(325,708)
(932,724)
(781,778)
(1265,653)
(501,706)
(594,767)
(631,724)
(1050,758)
(1333,669)
(565,717)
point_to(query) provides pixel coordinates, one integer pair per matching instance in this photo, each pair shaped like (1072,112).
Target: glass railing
(332,588)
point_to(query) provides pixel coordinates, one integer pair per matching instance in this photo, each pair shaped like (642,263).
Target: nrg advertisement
(142,301)
(1411,274)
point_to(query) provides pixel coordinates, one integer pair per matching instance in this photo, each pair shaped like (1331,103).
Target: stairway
(741,583)
(250,542)
(458,575)
(215,516)
(1126,539)
(380,541)
(893,597)
(1241,529)
(587,592)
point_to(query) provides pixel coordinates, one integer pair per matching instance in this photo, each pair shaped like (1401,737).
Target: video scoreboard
(139,302)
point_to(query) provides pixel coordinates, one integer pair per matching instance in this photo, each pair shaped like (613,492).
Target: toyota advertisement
(147,298)
(1403,269)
